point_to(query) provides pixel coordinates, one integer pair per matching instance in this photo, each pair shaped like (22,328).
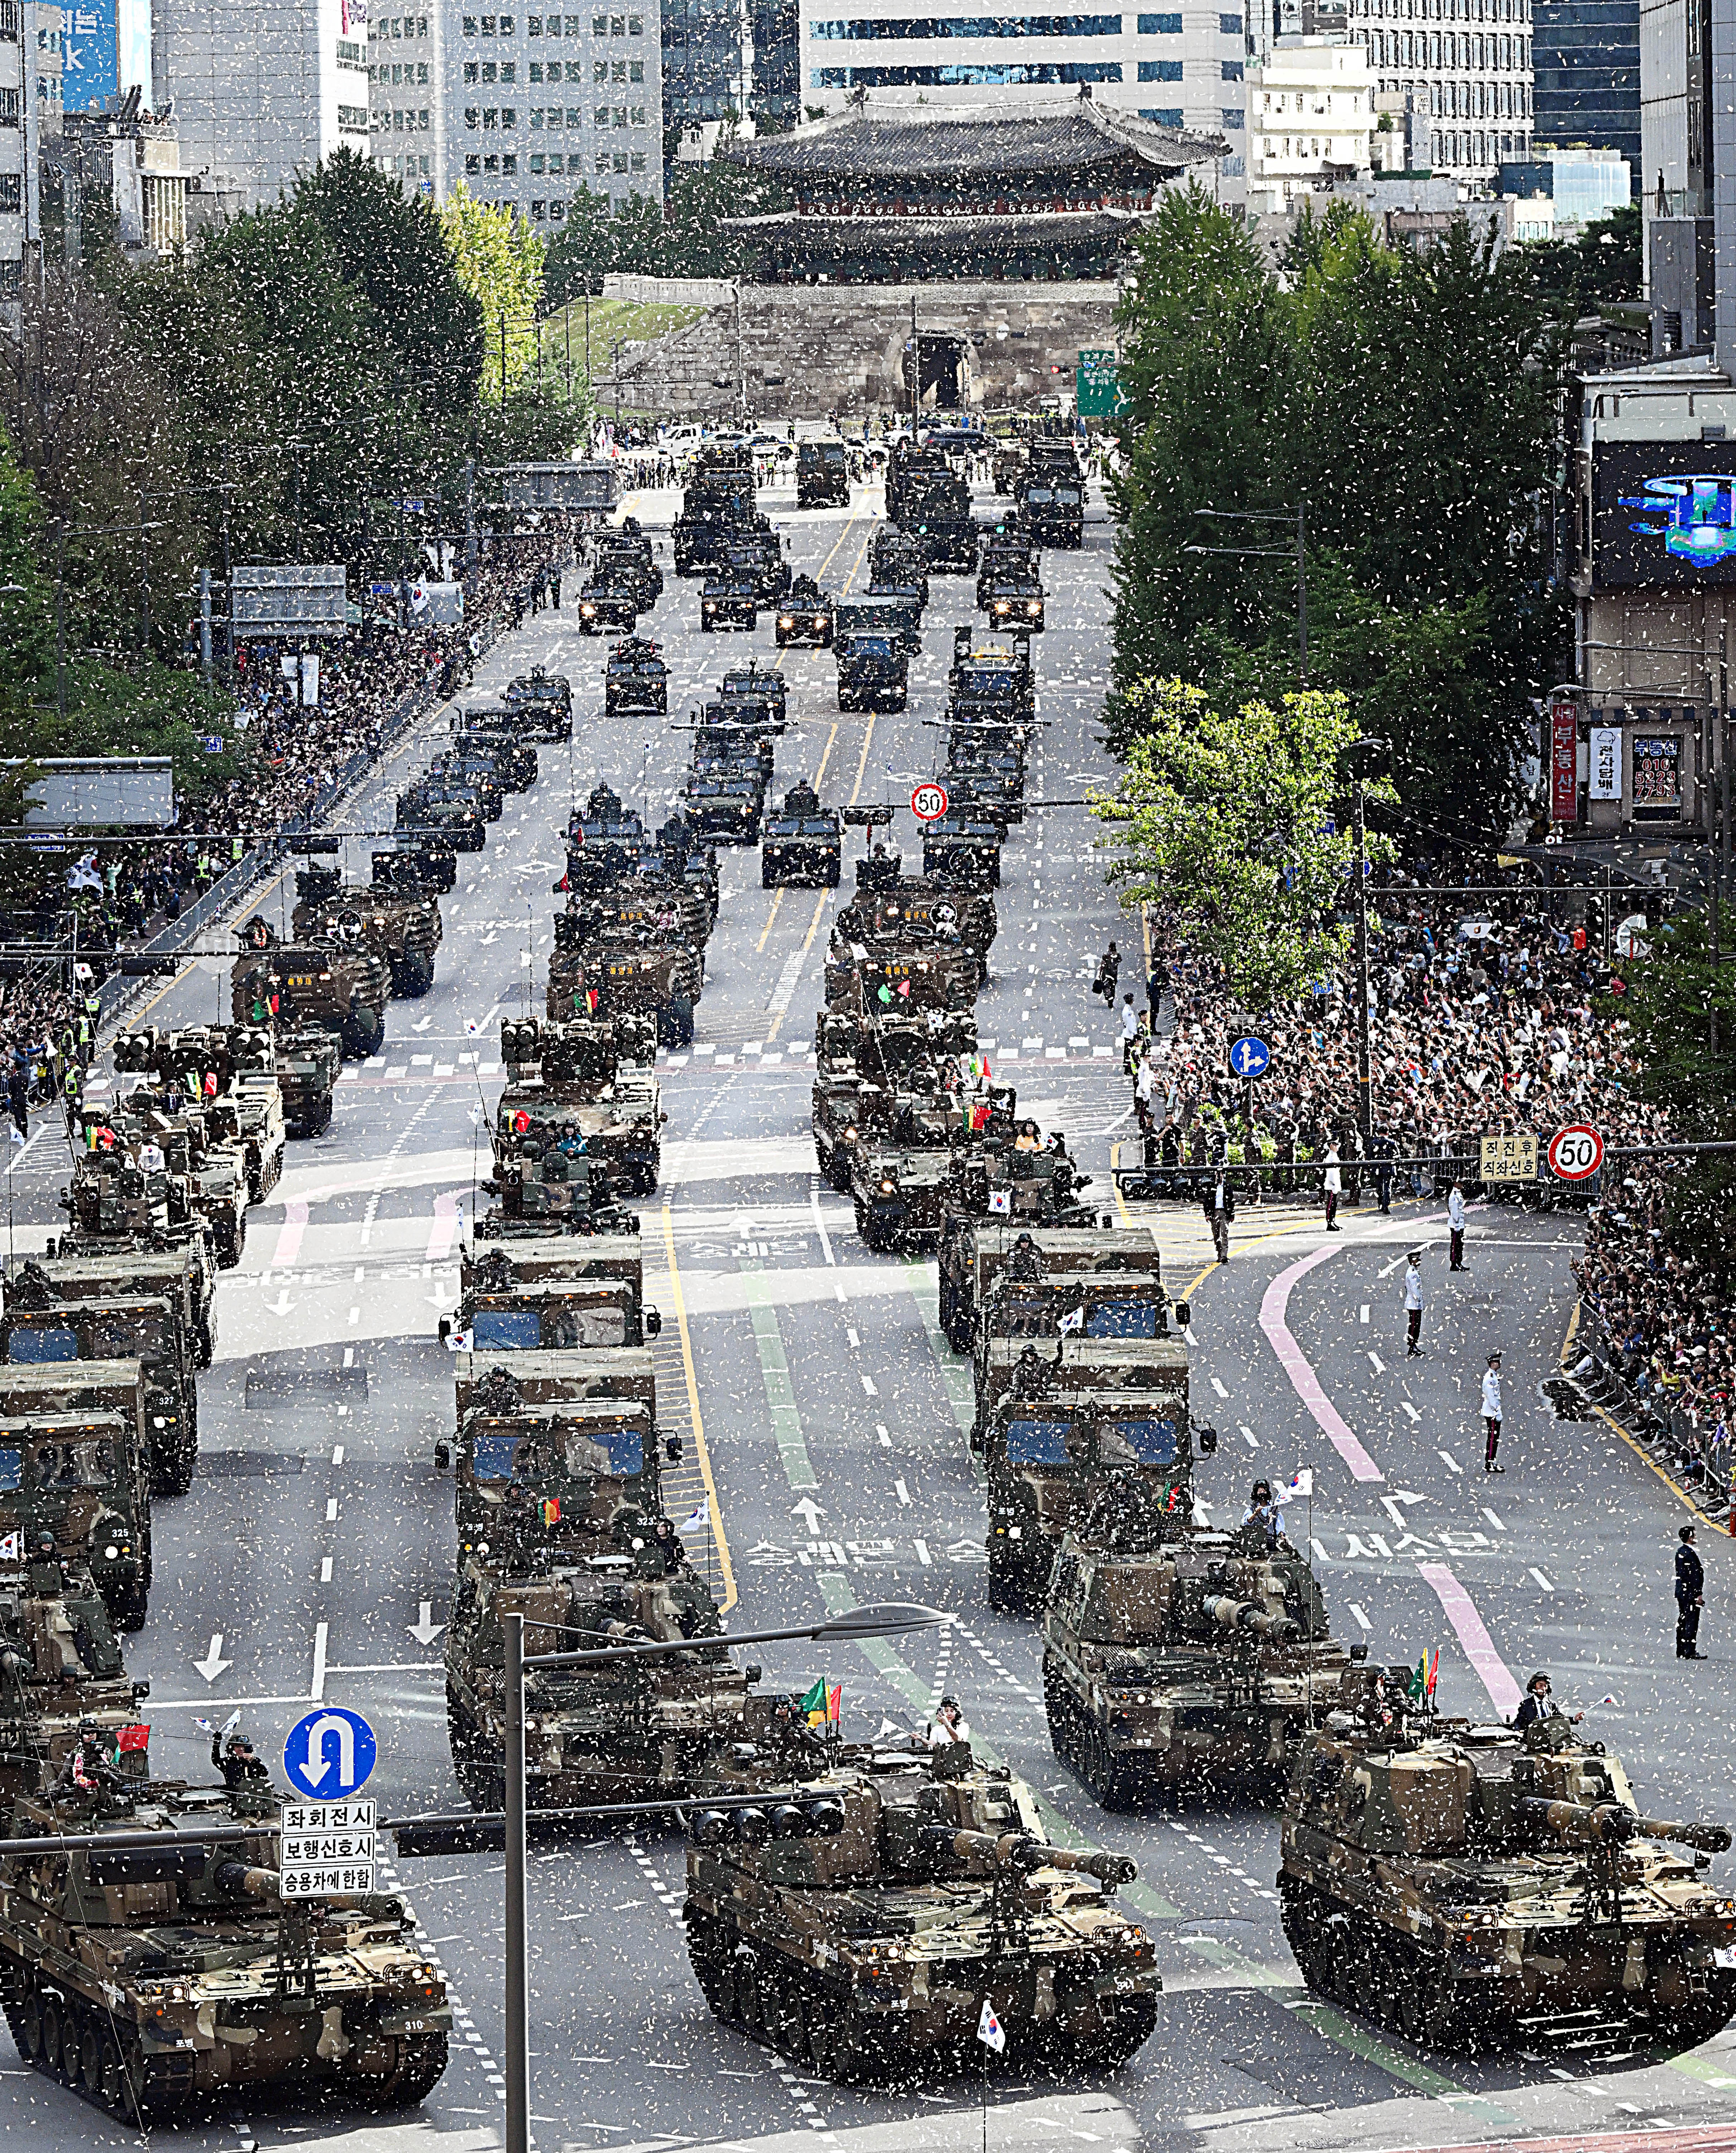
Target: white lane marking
(1451,1462)
(1362,1618)
(1375,1362)
(1249,1438)
(1492,1520)
(904,1493)
(1541,1578)
(1219,1388)
(879,1429)
(1363,1317)
(317,1688)
(869,1387)
(325,1570)
(922,1554)
(1415,1415)
(825,1239)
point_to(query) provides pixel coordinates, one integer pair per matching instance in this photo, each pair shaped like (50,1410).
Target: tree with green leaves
(1232,819)
(498,260)
(1405,398)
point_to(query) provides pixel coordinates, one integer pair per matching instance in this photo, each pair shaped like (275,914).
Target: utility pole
(1364,1056)
(1301,589)
(915,368)
(517,2059)
(60,621)
(470,518)
(205,624)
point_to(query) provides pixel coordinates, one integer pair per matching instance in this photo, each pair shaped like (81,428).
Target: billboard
(90,54)
(289,601)
(1663,516)
(101,792)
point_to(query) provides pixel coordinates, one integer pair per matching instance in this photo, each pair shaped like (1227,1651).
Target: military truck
(155,1980)
(1105,1305)
(584,1103)
(899,605)
(42,1325)
(237,1062)
(1483,1887)
(803,845)
(308,1060)
(545,701)
(807,616)
(185,1277)
(961,848)
(1012,597)
(754,694)
(822,474)
(422,861)
(990,683)
(60,1675)
(1051,495)
(75,1465)
(636,681)
(896,559)
(730,598)
(342,987)
(932,502)
(878,1080)
(873,666)
(613,597)
(1056,1423)
(398,926)
(623,554)
(862,1919)
(497,730)
(977,1252)
(1174,1657)
(450,815)
(112,1205)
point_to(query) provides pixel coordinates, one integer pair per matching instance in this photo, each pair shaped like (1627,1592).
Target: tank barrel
(1248,1615)
(1706,1838)
(1017,1851)
(1576,1824)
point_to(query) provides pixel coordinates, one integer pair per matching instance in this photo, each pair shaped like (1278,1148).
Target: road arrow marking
(1390,1504)
(422,1023)
(424,1632)
(213,1664)
(280,1307)
(810,1511)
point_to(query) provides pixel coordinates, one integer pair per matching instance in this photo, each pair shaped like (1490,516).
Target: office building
(1678,164)
(707,52)
(1586,61)
(1464,65)
(262,94)
(524,109)
(1181,67)
(1311,120)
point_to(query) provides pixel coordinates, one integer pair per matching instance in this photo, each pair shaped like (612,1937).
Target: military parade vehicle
(930,502)
(864,1918)
(752,695)
(878,1079)
(155,1979)
(398,926)
(625,978)
(1051,495)
(636,683)
(961,848)
(983,776)
(725,800)
(583,1103)
(1483,1886)
(731,597)
(1026,1302)
(342,986)
(910,911)
(203,1157)
(498,731)
(235,1062)
(465,780)
(625,553)
(544,701)
(450,815)
(807,617)
(896,559)
(636,1730)
(308,1059)
(873,665)
(493,770)
(75,1465)
(803,844)
(613,597)
(421,862)
(1012,596)
(1174,1657)
(822,474)
(61,1676)
(43,1325)
(641,916)
(977,1252)
(113,1204)
(717,506)
(184,1276)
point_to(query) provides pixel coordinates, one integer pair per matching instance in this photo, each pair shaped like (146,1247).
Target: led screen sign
(1664,516)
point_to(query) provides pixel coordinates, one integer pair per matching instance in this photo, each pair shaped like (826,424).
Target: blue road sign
(329,1754)
(1250,1057)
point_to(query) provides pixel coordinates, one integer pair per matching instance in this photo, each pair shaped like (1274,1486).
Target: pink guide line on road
(445,1230)
(289,1236)
(1468,1627)
(1298,1368)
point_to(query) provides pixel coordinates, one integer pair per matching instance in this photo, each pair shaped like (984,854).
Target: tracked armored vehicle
(859,1922)
(148,1979)
(399,926)
(75,1465)
(1174,1657)
(60,1673)
(235,1063)
(1479,1887)
(342,988)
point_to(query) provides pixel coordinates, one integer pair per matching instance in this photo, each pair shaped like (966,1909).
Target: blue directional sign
(329,1754)
(1250,1057)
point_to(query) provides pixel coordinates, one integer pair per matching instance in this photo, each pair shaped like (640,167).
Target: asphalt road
(312,1557)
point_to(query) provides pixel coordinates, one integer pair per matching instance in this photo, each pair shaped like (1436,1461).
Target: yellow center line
(825,757)
(777,899)
(687,1361)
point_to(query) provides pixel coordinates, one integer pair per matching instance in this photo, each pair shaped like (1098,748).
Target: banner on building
(1564,762)
(1606,770)
(90,55)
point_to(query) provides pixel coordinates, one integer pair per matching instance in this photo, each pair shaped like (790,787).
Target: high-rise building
(1466,64)
(1310,120)
(1587,65)
(1181,66)
(707,55)
(262,93)
(524,109)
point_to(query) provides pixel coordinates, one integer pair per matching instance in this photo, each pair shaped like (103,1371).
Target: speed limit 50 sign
(928,802)
(1575,1152)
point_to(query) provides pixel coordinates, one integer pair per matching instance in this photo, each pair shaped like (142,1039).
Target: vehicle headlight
(1033,608)
(786,620)
(819,620)
(888,1187)
(111,1551)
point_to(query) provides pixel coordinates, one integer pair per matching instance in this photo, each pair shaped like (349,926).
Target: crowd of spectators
(299,739)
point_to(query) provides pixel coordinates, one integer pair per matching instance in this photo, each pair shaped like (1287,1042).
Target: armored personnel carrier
(803,844)
(602,1733)
(860,1920)
(60,1675)
(878,1084)
(1174,1656)
(637,684)
(341,987)
(615,977)
(148,1979)
(545,703)
(1054,1425)
(1483,1886)
(910,911)
(235,1063)
(419,861)
(43,1326)
(400,926)
(74,1465)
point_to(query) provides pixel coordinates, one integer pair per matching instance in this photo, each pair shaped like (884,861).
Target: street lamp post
(1364,1040)
(1299,517)
(878,1620)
